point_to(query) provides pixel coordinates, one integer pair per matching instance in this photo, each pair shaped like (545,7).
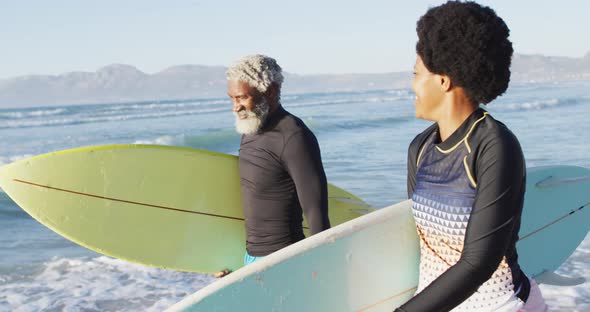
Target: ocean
(363,138)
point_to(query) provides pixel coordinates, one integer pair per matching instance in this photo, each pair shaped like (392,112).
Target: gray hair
(259,71)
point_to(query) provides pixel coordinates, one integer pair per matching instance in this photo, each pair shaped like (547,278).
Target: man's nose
(237,106)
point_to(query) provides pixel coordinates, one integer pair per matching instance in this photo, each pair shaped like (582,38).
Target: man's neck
(273,107)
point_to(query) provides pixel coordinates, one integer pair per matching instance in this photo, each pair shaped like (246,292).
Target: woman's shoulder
(492,130)
(422,136)
(494,139)
(418,142)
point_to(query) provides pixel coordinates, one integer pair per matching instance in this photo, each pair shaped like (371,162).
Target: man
(280,165)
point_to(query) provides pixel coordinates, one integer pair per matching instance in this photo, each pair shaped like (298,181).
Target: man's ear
(272,93)
(445,83)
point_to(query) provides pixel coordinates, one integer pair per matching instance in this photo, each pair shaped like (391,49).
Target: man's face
(249,106)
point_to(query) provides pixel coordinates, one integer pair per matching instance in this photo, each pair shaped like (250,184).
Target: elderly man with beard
(281,169)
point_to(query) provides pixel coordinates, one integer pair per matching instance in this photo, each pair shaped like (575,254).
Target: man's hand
(222,273)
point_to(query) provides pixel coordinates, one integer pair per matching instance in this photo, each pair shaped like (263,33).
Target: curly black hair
(469,43)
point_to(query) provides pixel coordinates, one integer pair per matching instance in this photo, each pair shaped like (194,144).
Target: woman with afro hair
(466,172)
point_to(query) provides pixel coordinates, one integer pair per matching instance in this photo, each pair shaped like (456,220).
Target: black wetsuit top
(467,195)
(282,176)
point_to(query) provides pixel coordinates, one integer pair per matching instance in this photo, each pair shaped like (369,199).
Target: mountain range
(125,83)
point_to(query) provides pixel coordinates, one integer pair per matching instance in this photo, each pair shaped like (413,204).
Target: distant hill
(125,83)
(539,68)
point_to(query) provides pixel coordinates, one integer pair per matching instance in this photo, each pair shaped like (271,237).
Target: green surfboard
(162,206)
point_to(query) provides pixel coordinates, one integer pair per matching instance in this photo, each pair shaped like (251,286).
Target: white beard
(254,119)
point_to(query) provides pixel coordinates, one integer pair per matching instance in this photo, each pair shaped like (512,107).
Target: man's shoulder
(291,124)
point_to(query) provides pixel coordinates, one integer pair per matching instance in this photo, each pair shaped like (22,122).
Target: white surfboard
(371,263)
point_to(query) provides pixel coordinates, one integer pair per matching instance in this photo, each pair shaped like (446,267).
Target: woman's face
(428,91)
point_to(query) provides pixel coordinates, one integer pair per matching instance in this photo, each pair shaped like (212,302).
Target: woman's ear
(445,83)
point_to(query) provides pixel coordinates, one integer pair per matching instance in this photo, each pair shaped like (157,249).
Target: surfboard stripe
(386,299)
(349,200)
(127,201)
(157,205)
(553,182)
(555,221)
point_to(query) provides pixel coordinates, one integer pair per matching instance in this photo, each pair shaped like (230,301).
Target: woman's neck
(455,111)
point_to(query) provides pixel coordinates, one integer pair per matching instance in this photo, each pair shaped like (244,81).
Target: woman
(466,172)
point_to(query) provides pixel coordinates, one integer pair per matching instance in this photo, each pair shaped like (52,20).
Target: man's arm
(303,161)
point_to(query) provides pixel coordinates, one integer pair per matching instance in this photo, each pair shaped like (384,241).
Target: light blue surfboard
(371,263)
(555,219)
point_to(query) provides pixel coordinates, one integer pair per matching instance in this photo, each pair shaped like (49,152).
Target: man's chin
(247,126)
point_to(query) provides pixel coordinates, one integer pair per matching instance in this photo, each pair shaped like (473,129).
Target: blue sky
(306,37)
